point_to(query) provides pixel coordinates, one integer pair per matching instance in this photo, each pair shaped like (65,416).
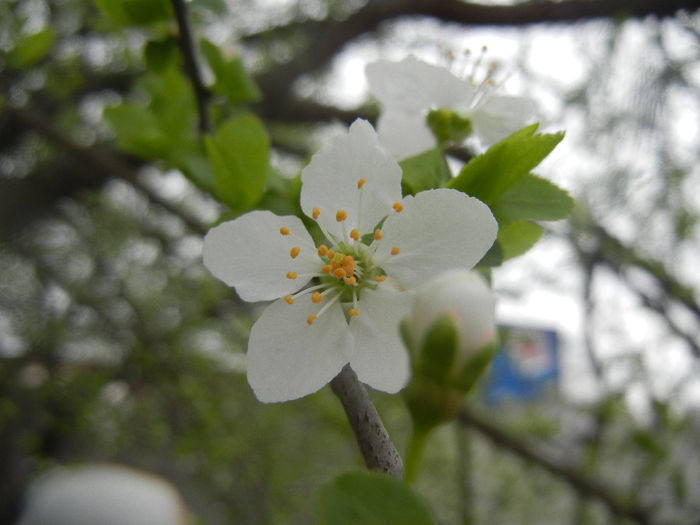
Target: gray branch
(374,441)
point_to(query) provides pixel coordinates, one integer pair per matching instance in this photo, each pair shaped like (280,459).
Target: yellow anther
(377,234)
(331,254)
(355,234)
(291,275)
(395,250)
(354,312)
(380,278)
(340,215)
(350,280)
(316,297)
(289,299)
(284,231)
(398,207)
(339,273)
(347,260)
(294,252)
(322,250)
(310,320)
(338,257)
(315,213)
(327,268)
(361,183)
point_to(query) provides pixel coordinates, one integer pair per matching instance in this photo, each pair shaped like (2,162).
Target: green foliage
(239,155)
(518,237)
(372,499)
(232,79)
(438,349)
(159,54)
(424,171)
(449,126)
(532,198)
(30,49)
(136,12)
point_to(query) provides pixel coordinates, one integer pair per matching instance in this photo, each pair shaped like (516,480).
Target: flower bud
(448,126)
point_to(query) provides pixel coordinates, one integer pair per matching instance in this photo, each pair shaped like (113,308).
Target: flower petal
(330,181)
(380,358)
(412,85)
(437,230)
(250,254)
(499,117)
(288,358)
(404,134)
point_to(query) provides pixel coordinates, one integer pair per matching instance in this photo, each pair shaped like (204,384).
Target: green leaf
(532,198)
(218,7)
(424,171)
(232,79)
(136,12)
(371,498)
(30,49)
(161,54)
(239,155)
(518,237)
(439,349)
(492,173)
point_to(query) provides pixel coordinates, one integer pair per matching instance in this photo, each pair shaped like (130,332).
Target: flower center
(347,267)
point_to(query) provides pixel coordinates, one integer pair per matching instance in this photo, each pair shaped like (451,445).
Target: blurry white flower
(409,89)
(362,275)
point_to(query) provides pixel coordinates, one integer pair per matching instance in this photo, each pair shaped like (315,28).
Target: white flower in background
(463,295)
(341,302)
(102,494)
(409,89)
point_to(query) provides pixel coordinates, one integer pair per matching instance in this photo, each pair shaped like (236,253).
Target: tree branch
(187,46)
(582,484)
(375,444)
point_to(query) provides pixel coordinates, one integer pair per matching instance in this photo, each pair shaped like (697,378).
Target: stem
(375,444)
(416,448)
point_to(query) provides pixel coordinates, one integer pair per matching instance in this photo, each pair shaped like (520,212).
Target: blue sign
(527,360)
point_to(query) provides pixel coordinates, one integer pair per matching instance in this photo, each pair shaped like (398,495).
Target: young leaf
(232,79)
(29,49)
(136,12)
(371,498)
(425,171)
(518,237)
(532,198)
(239,154)
(492,173)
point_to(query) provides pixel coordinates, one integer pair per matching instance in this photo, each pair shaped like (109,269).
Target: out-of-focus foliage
(115,343)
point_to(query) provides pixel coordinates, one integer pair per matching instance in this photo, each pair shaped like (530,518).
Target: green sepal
(475,366)
(438,349)
(449,126)
(431,404)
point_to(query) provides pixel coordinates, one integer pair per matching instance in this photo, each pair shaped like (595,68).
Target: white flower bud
(102,494)
(465,296)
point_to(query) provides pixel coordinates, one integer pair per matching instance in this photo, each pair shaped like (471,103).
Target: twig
(581,483)
(187,46)
(374,441)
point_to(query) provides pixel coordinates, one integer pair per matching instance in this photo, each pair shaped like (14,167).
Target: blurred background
(116,344)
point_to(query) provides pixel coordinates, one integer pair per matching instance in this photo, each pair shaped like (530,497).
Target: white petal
(380,358)
(404,134)
(288,358)
(437,230)
(330,180)
(413,85)
(499,117)
(250,254)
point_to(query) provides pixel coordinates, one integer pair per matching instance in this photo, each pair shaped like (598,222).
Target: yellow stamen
(315,213)
(340,215)
(291,275)
(322,250)
(350,280)
(398,207)
(353,312)
(289,299)
(331,254)
(294,252)
(361,183)
(327,268)
(339,273)
(395,250)
(377,234)
(310,320)
(316,297)
(380,278)
(284,231)
(355,234)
